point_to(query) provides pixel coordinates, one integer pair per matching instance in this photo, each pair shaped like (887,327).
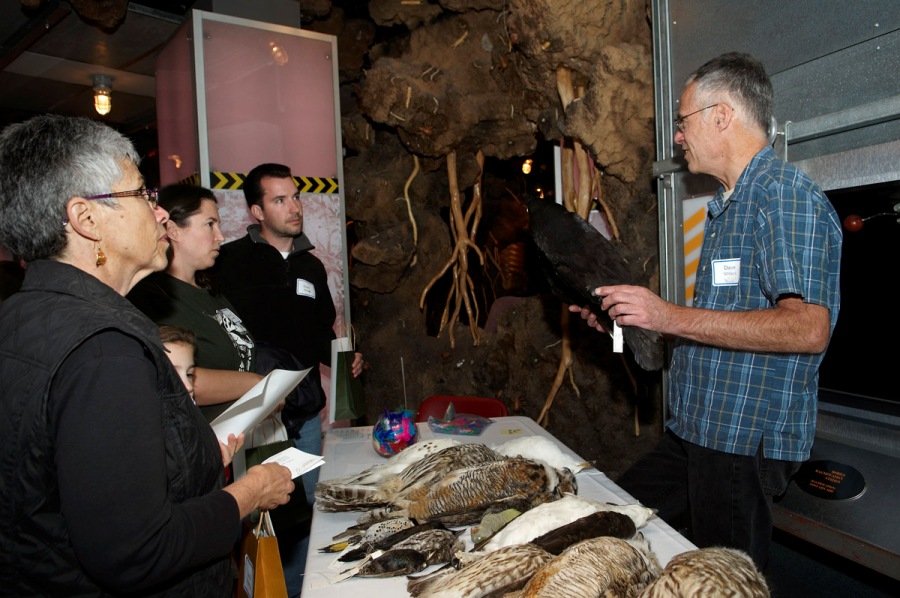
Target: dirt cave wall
(434,97)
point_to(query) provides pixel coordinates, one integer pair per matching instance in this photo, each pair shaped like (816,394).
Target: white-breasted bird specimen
(551,515)
(372,533)
(604,566)
(541,449)
(492,574)
(709,573)
(396,463)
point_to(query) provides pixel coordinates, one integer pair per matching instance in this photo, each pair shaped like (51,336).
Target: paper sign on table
(257,403)
(296,460)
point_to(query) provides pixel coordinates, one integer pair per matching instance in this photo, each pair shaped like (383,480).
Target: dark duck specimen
(576,259)
(386,542)
(393,563)
(411,555)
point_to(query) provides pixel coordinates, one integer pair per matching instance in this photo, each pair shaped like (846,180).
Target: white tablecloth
(350,450)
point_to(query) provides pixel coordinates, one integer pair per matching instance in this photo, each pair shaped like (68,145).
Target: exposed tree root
(463,227)
(412,219)
(565,366)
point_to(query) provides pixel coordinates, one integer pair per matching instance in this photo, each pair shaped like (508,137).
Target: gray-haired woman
(112,481)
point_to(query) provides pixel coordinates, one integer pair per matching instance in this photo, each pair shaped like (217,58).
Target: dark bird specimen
(387,541)
(576,259)
(392,563)
(411,554)
(601,523)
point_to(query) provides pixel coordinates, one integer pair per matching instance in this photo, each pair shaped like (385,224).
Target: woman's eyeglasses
(151,194)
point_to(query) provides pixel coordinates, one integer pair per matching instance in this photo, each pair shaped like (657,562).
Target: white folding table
(350,450)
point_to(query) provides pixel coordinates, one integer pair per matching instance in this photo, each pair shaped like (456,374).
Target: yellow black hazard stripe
(234,181)
(194,179)
(310,184)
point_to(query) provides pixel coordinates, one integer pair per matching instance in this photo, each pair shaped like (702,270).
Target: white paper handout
(257,403)
(297,461)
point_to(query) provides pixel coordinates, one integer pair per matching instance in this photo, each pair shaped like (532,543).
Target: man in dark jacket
(281,291)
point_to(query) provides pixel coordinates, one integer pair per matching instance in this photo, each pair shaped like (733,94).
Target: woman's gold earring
(101,257)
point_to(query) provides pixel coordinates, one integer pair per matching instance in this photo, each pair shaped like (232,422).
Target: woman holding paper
(112,482)
(179,296)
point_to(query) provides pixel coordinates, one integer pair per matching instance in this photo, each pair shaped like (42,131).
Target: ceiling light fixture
(102,97)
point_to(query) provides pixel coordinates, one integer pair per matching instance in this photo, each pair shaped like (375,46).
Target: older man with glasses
(744,373)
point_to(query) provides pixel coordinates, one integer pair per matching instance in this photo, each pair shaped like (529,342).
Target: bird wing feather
(577,258)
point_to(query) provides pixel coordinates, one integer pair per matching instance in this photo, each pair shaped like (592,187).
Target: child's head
(180,344)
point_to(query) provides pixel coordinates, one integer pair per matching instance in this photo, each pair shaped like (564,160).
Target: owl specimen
(380,488)
(604,566)
(492,574)
(709,573)
(464,495)
(456,485)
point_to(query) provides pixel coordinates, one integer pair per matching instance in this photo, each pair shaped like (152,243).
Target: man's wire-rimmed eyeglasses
(679,122)
(151,194)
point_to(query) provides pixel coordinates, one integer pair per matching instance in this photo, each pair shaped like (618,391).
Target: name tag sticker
(306,288)
(726,273)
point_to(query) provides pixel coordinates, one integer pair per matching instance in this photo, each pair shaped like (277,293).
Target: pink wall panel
(269,98)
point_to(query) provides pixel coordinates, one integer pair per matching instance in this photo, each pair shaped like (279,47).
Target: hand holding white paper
(257,403)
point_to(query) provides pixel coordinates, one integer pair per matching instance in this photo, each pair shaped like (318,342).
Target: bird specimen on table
(464,495)
(492,574)
(434,467)
(491,523)
(336,493)
(543,449)
(604,566)
(709,573)
(384,490)
(438,545)
(391,564)
(412,554)
(552,515)
(388,541)
(370,534)
(601,523)
(576,259)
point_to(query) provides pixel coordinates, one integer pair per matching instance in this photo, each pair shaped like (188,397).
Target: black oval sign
(830,480)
